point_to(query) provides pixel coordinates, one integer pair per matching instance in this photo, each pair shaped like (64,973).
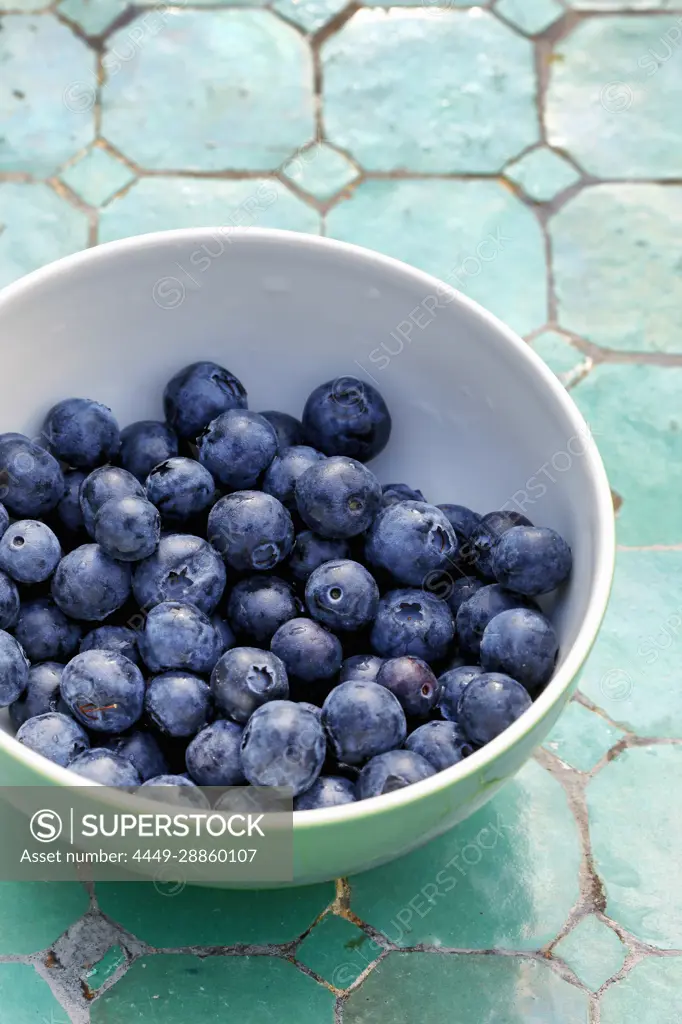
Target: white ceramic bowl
(478,420)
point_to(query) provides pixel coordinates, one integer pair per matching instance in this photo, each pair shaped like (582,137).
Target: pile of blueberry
(230,597)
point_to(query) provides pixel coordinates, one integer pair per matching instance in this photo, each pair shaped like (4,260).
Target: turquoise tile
(531,16)
(435,7)
(620,5)
(212,917)
(57,904)
(311,15)
(207,3)
(410,987)
(153,204)
(320,170)
(46,104)
(475,235)
(566,361)
(581,737)
(542,174)
(593,951)
(97,974)
(25,6)
(636,832)
(247,105)
(633,672)
(616,266)
(612,99)
(97,176)
(507,877)
(650,992)
(406,90)
(26,999)
(634,414)
(93,16)
(177,989)
(38,227)
(337,950)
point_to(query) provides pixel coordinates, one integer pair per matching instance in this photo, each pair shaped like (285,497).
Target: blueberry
(82,433)
(475,614)
(411,540)
(101,486)
(462,520)
(327,791)
(251,530)
(29,551)
(412,622)
(363,667)
(144,445)
(224,631)
(31,481)
(486,535)
(175,789)
(412,682)
(4,519)
(103,690)
(308,650)
(180,488)
(530,560)
(460,590)
(178,703)
(69,510)
(285,469)
(338,497)
(199,393)
(245,678)
(361,720)
(311,551)
(348,417)
(283,745)
(183,568)
(179,635)
(393,770)
(9,602)
(128,529)
(489,704)
(442,744)
(393,493)
(14,666)
(452,684)
(342,595)
(45,633)
(106,767)
(523,644)
(120,639)
(41,694)
(213,757)
(289,430)
(89,585)
(259,605)
(57,737)
(311,707)
(143,752)
(237,448)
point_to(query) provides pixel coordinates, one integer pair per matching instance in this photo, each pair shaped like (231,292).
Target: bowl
(478,420)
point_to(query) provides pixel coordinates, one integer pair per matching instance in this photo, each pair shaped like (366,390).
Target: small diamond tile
(95,975)
(97,176)
(39,227)
(566,361)
(650,992)
(320,170)
(26,999)
(311,15)
(93,16)
(542,174)
(531,16)
(337,950)
(593,951)
(581,737)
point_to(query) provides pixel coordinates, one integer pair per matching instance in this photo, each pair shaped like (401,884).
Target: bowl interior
(477,418)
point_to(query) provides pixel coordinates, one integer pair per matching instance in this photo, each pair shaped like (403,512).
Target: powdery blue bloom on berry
(178,703)
(179,635)
(285,469)
(328,791)
(363,667)
(412,540)
(128,529)
(289,430)
(103,690)
(57,737)
(393,493)
(224,631)
(347,416)
(362,720)
(522,644)
(9,602)
(82,433)
(490,704)
(309,651)
(245,678)
(45,633)
(198,394)
(311,551)
(183,568)
(41,694)
(31,480)
(14,666)
(143,752)
(69,509)
(414,684)
(101,486)
(120,639)
(531,560)
(106,767)
(412,622)
(144,445)
(252,531)
(283,745)
(259,605)
(460,590)
(338,498)
(4,519)
(29,551)
(237,448)
(213,758)
(475,614)
(452,684)
(485,537)
(391,771)
(176,790)
(342,595)
(180,488)
(89,585)
(442,744)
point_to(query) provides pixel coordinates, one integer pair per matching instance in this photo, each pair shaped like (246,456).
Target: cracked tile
(566,361)
(531,16)
(311,15)
(97,176)
(581,737)
(93,16)
(337,950)
(542,174)
(650,992)
(39,227)
(321,171)
(59,903)
(98,973)
(593,951)
(26,999)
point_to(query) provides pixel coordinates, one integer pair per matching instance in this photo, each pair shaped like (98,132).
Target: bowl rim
(603,569)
